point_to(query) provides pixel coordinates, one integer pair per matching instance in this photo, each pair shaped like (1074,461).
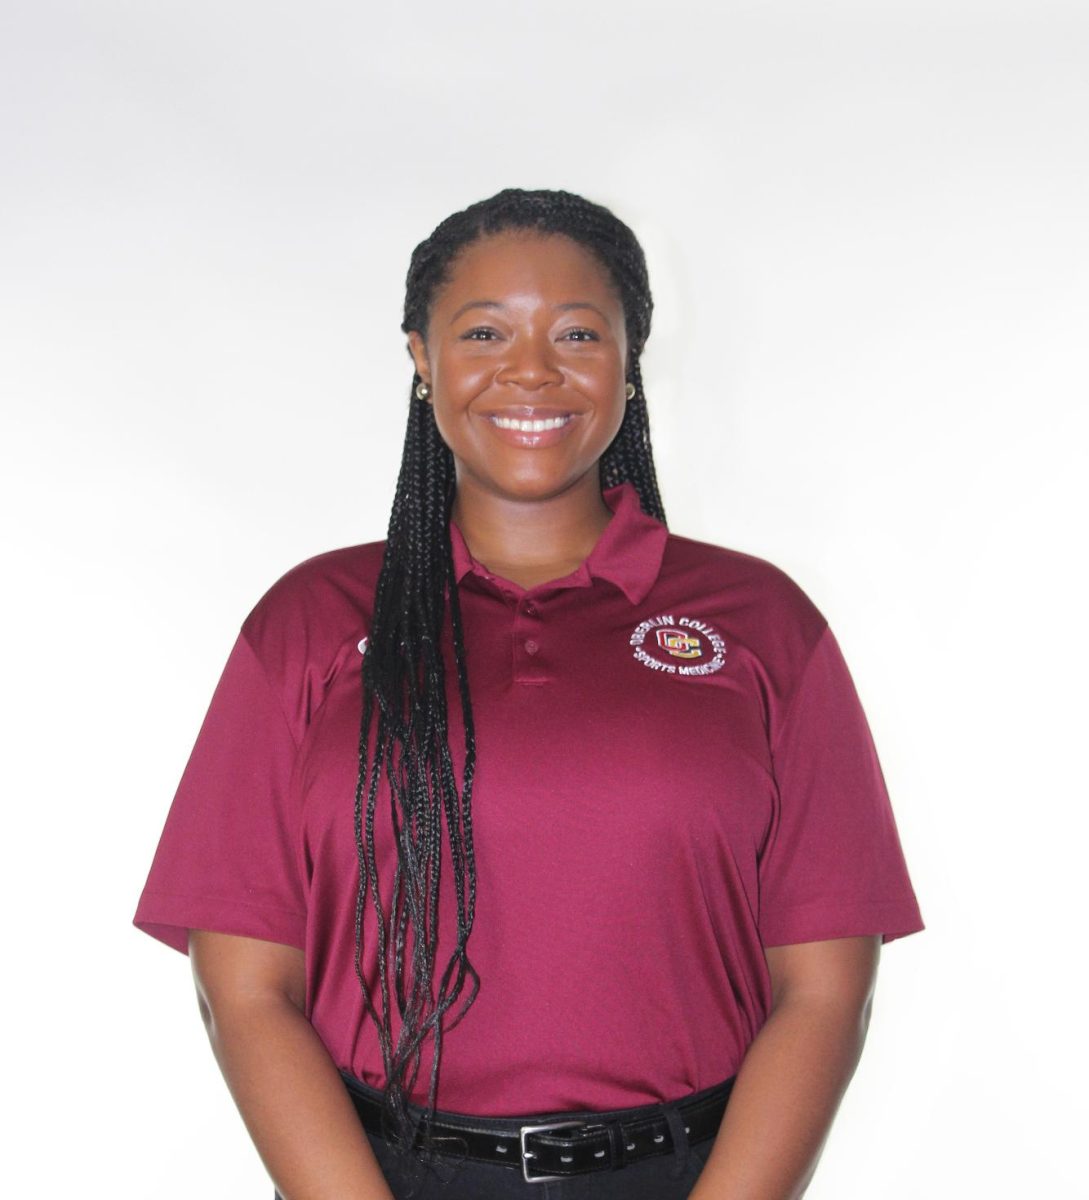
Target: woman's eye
(582,335)
(480,334)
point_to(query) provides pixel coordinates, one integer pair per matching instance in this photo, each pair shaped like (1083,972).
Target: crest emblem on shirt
(677,645)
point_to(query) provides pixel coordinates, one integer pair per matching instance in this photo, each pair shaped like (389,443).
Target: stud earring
(629,391)
(423,390)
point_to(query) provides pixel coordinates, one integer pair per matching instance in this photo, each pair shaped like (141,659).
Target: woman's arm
(795,1072)
(286,1086)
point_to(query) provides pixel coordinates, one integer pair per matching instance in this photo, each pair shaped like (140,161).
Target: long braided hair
(404,734)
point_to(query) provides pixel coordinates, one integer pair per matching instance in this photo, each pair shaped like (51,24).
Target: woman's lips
(536,425)
(530,430)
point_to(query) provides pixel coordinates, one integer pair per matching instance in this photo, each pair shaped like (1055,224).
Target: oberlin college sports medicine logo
(678,645)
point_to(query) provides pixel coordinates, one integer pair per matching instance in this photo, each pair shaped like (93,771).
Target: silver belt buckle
(528,1154)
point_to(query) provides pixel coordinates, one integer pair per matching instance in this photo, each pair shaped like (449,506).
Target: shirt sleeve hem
(891,919)
(170,918)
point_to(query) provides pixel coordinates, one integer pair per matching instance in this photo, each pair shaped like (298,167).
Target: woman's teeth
(531,426)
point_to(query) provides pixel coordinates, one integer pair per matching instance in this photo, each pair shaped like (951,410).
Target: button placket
(528,643)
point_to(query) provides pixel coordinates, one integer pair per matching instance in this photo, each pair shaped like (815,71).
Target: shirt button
(531,646)
(531,609)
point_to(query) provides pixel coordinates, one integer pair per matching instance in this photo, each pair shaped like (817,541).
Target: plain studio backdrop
(866,229)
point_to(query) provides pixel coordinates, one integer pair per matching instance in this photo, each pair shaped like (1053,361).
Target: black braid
(404,729)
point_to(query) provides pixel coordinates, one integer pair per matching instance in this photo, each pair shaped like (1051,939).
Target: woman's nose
(530,364)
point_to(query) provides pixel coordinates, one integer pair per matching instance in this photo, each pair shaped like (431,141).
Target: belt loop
(680,1140)
(618,1155)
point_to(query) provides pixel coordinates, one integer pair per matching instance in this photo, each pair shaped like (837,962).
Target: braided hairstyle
(404,729)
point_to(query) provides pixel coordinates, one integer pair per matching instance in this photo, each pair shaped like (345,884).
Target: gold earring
(629,391)
(423,390)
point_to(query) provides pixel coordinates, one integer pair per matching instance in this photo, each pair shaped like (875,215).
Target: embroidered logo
(677,643)
(680,645)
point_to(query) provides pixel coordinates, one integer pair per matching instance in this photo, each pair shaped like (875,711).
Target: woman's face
(525,354)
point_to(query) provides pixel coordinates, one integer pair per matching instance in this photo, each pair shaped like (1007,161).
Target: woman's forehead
(525,260)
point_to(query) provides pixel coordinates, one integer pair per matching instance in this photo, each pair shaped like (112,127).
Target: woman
(621,857)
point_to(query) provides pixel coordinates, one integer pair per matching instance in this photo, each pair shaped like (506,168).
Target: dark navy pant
(665,1177)
(668,1177)
(662,1177)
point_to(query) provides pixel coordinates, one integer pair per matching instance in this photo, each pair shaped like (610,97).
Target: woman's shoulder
(757,607)
(345,576)
(742,578)
(315,608)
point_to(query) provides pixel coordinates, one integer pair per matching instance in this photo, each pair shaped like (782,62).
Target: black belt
(556,1145)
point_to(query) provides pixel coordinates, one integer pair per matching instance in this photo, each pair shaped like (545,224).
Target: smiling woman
(534,844)
(542,369)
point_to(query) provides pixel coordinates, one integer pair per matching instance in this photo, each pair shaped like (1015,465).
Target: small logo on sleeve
(678,645)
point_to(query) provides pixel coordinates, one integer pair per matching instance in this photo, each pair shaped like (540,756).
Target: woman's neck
(532,541)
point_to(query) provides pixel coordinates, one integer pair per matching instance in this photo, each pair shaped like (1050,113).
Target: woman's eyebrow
(566,307)
(581,304)
(475,304)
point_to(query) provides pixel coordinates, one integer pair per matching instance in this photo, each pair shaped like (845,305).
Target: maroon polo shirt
(674,771)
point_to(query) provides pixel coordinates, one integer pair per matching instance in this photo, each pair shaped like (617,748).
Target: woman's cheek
(464,378)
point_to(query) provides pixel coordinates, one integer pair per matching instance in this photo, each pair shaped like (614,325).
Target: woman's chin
(528,487)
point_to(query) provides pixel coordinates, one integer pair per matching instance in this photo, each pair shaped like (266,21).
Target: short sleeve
(229,858)
(832,865)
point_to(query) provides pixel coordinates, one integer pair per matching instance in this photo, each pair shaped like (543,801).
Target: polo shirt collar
(628,553)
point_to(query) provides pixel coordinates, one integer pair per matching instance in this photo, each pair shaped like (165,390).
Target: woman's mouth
(532,426)
(531,432)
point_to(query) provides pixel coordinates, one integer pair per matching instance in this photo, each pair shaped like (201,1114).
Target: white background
(866,228)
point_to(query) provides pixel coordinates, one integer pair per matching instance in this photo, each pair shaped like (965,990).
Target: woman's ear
(418,349)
